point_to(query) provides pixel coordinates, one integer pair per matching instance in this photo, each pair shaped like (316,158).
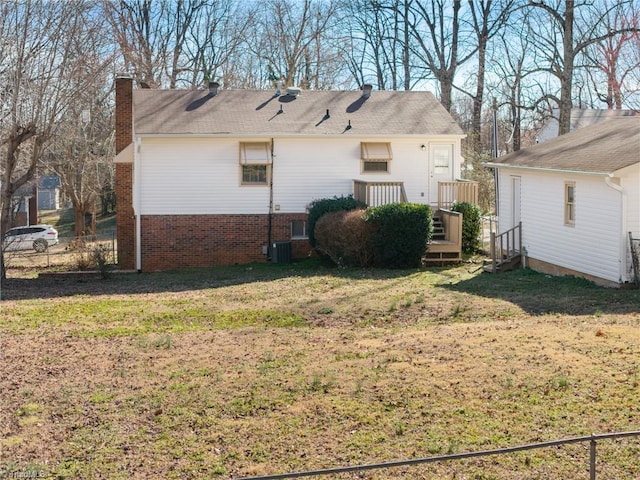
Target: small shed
(577,197)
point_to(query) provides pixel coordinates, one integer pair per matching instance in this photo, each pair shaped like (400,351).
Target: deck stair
(446,241)
(505,264)
(438,228)
(506,251)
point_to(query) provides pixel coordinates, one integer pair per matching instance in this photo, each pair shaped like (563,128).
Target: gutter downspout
(136,202)
(270,216)
(494,155)
(623,224)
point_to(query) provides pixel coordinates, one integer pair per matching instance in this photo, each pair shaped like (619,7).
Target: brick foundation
(179,241)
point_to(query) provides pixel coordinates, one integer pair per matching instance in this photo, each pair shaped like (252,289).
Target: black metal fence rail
(592,439)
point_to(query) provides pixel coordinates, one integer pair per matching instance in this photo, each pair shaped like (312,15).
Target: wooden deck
(446,246)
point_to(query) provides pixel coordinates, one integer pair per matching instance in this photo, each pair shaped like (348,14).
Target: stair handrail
(508,237)
(635,258)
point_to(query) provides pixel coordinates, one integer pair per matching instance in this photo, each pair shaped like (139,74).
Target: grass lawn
(252,370)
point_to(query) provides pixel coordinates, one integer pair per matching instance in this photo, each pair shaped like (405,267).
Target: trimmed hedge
(343,237)
(400,234)
(318,208)
(471,226)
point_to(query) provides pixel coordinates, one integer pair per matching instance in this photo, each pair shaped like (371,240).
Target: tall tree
(294,41)
(515,83)
(82,151)
(435,26)
(37,62)
(565,29)
(488,17)
(377,43)
(216,42)
(614,59)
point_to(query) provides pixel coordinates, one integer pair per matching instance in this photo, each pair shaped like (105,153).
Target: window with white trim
(255,163)
(255,174)
(570,203)
(375,157)
(299,229)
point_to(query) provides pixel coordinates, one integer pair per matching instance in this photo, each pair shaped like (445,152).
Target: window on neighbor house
(375,157)
(299,229)
(570,203)
(255,158)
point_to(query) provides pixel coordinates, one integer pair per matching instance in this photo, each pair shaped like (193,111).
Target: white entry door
(440,168)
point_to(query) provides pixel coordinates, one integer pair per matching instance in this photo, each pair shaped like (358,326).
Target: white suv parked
(36,237)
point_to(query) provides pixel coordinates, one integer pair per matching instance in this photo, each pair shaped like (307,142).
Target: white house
(578,197)
(218,176)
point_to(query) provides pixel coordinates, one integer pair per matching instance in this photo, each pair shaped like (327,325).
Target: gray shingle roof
(601,148)
(580,118)
(255,113)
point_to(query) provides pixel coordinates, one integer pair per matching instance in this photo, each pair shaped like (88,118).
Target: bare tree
(143,32)
(37,65)
(215,43)
(519,90)
(488,18)
(613,58)
(82,151)
(376,43)
(293,41)
(436,28)
(564,30)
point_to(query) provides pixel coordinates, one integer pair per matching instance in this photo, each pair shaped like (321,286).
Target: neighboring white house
(578,197)
(216,177)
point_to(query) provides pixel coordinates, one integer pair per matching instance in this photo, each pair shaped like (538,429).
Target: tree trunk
(566,77)
(80,225)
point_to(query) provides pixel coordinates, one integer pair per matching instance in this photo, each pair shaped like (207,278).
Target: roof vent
(294,91)
(213,88)
(366,90)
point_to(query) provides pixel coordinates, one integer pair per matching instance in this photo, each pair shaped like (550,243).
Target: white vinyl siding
(202,175)
(592,246)
(199,176)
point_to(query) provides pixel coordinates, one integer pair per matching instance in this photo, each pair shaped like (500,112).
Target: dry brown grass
(248,371)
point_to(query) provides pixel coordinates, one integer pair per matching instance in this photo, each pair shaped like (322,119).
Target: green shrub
(471,226)
(400,234)
(344,238)
(318,208)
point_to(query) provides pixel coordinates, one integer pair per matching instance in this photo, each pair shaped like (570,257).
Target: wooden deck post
(493,252)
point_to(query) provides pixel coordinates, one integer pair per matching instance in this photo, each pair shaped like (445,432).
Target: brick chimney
(124,112)
(125,216)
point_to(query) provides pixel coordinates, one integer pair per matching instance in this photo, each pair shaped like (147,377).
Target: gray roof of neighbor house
(312,112)
(580,118)
(601,148)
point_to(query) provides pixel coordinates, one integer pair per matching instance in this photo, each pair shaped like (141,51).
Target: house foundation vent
(281,252)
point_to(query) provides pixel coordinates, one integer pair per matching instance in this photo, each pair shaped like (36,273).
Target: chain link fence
(71,253)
